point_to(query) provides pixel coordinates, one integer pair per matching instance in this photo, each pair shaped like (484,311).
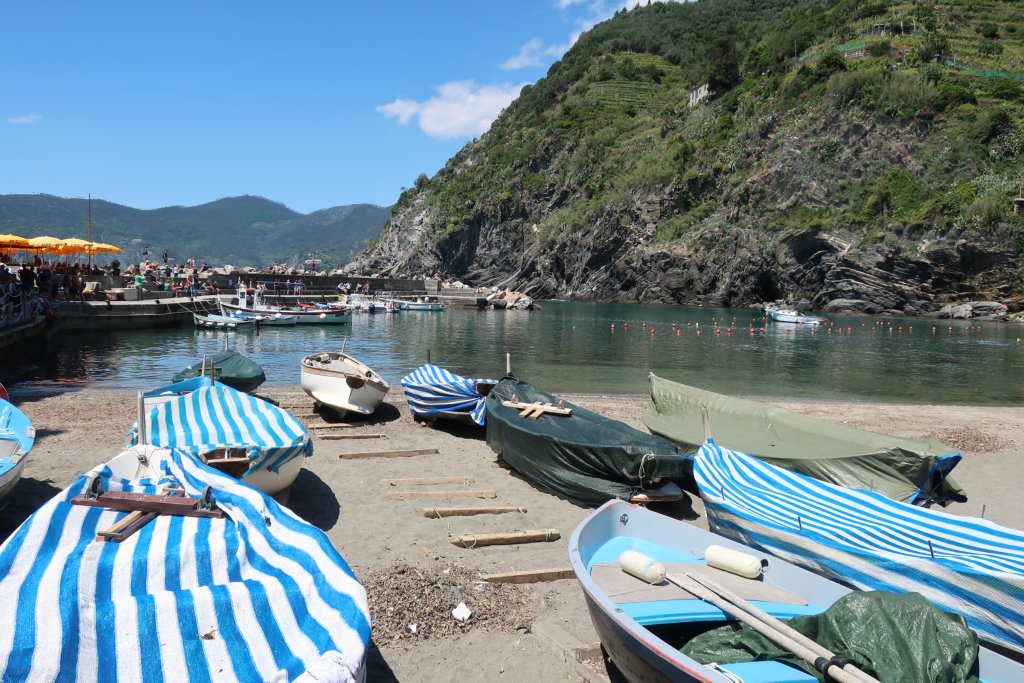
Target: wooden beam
(427,481)
(527,408)
(412,495)
(531,575)
(330,425)
(438,513)
(389,454)
(510,538)
(343,437)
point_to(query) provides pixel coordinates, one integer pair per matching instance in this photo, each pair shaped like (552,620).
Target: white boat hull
(10,478)
(327,317)
(342,392)
(794,317)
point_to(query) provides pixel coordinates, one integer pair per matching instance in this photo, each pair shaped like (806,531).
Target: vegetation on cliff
(884,137)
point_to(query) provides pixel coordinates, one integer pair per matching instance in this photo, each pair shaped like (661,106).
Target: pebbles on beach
(403,596)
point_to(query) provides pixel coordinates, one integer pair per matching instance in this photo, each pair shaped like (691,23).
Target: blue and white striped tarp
(865,540)
(221,417)
(430,389)
(259,595)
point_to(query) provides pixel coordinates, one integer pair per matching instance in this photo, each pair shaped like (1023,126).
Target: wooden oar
(786,629)
(766,629)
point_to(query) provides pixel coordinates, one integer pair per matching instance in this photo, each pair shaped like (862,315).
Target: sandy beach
(415,575)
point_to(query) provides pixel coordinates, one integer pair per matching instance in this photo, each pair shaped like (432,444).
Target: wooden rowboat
(341,382)
(642,626)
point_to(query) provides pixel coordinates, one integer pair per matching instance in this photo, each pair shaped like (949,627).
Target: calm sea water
(570,347)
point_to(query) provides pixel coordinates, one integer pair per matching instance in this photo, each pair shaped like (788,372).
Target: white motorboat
(791,315)
(341,382)
(311,315)
(275,320)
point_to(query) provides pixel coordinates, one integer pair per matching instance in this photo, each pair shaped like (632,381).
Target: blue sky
(310,103)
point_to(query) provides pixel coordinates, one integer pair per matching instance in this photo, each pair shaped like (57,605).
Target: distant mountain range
(242,231)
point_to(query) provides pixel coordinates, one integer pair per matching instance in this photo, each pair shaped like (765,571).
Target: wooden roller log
(510,538)
(438,513)
(426,481)
(412,495)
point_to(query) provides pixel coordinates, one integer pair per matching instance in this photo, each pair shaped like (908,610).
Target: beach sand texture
(415,575)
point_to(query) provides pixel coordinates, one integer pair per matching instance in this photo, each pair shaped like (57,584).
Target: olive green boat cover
(230,368)
(585,457)
(907,470)
(895,638)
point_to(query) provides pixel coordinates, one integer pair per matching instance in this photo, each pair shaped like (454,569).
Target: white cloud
(562,4)
(528,55)
(25,119)
(460,109)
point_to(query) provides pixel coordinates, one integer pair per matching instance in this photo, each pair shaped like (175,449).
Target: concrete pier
(99,316)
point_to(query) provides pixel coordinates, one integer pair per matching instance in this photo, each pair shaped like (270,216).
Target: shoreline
(383,540)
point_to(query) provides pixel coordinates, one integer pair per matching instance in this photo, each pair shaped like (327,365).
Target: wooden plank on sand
(438,513)
(531,575)
(510,538)
(342,437)
(331,425)
(412,495)
(426,481)
(389,454)
(429,553)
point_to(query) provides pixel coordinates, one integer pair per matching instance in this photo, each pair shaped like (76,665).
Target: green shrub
(989,30)
(881,48)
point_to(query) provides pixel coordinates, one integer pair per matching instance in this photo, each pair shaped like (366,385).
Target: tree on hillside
(724,66)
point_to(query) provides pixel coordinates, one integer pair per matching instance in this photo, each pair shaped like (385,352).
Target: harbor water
(572,347)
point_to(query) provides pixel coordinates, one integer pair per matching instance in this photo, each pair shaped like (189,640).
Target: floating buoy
(678,332)
(733,561)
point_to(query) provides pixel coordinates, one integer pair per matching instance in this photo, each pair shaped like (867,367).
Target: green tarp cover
(907,470)
(585,457)
(230,368)
(895,638)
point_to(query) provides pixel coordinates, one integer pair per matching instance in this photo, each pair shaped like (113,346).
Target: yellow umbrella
(48,244)
(13,241)
(100,248)
(75,246)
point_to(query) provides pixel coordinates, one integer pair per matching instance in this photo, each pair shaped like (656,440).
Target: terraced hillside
(861,154)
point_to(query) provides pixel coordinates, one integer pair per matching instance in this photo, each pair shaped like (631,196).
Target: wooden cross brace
(143,508)
(535,410)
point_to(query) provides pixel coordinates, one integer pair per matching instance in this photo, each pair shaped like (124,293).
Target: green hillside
(237,230)
(845,137)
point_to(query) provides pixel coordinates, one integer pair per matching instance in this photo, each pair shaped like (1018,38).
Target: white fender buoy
(642,567)
(733,561)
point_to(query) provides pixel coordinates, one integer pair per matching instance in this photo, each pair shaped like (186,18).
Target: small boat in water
(657,630)
(433,393)
(577,454)
(227,367)
(276,320)
(910,470)
(314,315)
(17,436)
(222,322)
(221,584)
(791,315)
(238,434)
(341,382)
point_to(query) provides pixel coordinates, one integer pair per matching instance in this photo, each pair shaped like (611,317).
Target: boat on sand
(227,367)
(658,630)
(578,454)
(435,393)
(962,564)
(910,470)
(221,584)
(342,383)
(17,436)
(238,434)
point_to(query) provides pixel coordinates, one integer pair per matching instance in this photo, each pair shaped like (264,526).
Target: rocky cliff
(866,174)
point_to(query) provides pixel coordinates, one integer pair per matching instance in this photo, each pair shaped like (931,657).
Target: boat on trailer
(303,316)
(167,569)
(342,383)
(17,436)
(642,625)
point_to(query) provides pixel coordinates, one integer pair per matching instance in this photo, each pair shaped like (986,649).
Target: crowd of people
(32,287)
